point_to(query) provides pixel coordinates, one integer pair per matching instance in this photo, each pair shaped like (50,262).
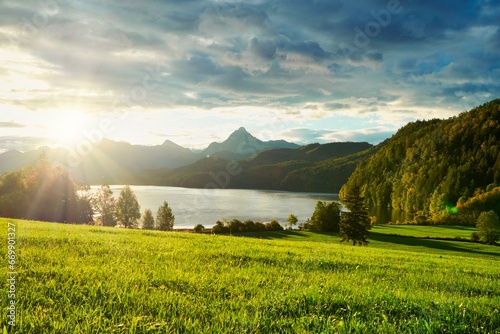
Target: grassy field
(437,231)
(83,279)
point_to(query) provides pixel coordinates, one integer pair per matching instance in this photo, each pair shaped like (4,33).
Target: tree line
(45,193)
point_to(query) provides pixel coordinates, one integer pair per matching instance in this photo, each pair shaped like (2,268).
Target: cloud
(345,58)
(11,125)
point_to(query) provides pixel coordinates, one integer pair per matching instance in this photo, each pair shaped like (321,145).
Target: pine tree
(355,224)
(127,208)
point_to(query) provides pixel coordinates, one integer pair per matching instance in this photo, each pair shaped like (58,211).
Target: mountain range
(274,164)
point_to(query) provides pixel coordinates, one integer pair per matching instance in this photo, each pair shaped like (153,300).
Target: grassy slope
(82,279)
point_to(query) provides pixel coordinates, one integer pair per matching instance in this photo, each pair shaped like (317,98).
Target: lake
(205,206)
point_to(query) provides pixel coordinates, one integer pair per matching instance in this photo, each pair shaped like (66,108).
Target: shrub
(488,225)
(199,228)
(475,237)
(219,228)
(274,225)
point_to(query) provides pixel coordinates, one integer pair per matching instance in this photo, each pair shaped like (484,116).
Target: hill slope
(311,168)
(433,166)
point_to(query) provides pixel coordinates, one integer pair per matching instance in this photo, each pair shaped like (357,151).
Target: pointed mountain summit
(241,144)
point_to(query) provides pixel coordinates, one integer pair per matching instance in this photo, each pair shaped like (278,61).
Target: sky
(194,71)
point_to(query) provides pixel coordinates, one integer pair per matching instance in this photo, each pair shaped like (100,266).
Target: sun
(67,128)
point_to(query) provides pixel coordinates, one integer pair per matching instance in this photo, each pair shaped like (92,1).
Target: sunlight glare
(67,127)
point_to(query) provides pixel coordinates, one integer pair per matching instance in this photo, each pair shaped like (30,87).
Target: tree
(165,218)
(326,218)
(104,205)
(355,224)
(292,220)
(199,228)
(127,208)
(488,225)
(84,211)
(41,192)
(148,221)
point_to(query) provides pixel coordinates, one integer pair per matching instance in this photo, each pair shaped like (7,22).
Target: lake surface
(206,206)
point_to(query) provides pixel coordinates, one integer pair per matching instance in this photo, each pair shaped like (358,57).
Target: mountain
(106,161)
(241,144)
(434,168)
(310,168)
(112,162)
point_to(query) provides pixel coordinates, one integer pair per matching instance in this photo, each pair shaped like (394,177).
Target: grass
(435,231)
(83,279)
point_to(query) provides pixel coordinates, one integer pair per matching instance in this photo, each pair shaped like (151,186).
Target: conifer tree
(355,224)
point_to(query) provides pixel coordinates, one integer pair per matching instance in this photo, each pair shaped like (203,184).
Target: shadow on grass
(429,243)
(271,234)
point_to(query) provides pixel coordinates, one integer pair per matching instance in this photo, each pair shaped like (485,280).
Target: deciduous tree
(104,205)
(148,221)
(127,208)
(164,217)
(488,225)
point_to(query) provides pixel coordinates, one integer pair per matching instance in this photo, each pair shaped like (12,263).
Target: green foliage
(104,204)
(41,192)
(220,228)
(87,279)
(488,225)
(164,217)
(431,166)
(355,223)
(199,228)
(311,168)
(325,218)
(292,220)
(274,225)
(148,221)
(474,236)
(127,208)
(236,226)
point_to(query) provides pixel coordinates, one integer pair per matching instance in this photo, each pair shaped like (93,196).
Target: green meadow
(86,279)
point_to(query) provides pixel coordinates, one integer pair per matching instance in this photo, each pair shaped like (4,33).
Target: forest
(440,171)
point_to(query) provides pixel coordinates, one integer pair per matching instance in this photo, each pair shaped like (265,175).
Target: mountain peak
(242,129)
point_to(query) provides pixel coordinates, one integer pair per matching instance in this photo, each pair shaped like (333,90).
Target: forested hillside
(438,167)
(310,168)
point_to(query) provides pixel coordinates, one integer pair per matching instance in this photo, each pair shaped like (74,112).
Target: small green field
(436,231)
(84,279)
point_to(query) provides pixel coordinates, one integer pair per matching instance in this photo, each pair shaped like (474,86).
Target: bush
(236,225)
(219,228)
(488,225)
(274,225)
(248,226)
(475,237)
(326,218)
(199,228)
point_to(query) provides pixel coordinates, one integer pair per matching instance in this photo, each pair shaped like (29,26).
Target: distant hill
(106,161)
(310,168)
(114,162)
(436,167)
